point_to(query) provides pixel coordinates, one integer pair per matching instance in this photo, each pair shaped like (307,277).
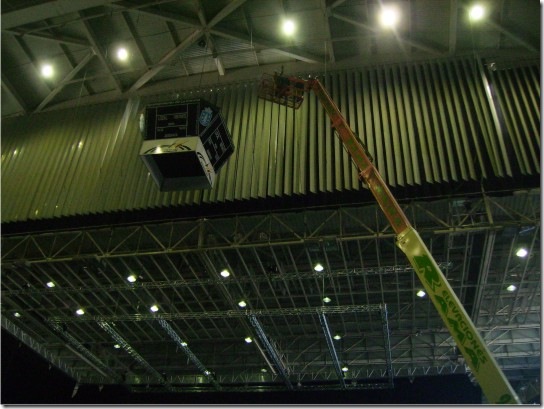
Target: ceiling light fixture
(80,311)
(522,252)
(476,12)
(389,16)
(511,288)
(131,278)
(242,304)
(421,293)
(117,346)
(248,340)
(337,337)
(288,27)
(154,308)
(326,299)
(225,273)
(122,54)
(319,267)
(16,314)
(345,369)
(50,284)
(47,70)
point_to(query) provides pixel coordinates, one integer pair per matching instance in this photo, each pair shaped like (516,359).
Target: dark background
(27,378)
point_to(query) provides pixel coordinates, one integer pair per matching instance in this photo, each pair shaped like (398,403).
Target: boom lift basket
(286,91)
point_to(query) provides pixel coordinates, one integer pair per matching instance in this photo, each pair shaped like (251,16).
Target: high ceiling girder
(271,260)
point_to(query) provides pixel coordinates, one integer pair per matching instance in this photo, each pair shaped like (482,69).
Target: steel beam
(272,352)
(131,351)
(332,349)
(192,357)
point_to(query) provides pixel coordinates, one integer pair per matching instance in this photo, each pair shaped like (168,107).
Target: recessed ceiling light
(319,267)
(154,308)
(345,368)
(242,304)
(16,314)
(248,340)
(389,16)
(117,346)
(122,54)
(80,311)
(476,12)
(47,70)
(225,273)
(421,293)
(511,288)
(326,299)
(288,27)
(50,284)
(131,278)
(522,252)
(337,337)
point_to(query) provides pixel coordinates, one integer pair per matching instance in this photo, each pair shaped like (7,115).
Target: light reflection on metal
(199,282)
(131,351)
(332,349)
(387,342)
(277,312)
(272,352)
(192,357)
(77,348)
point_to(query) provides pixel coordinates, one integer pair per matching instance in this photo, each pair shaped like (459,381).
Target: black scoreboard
(176,124)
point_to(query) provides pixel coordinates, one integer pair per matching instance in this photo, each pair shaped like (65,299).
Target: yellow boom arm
(290,91)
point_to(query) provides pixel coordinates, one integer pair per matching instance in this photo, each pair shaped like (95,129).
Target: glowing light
(122,54)
(326,299)
(511,288)
(288,27)
(476,12)
(248,340)
(337,337)
(421,293)
(319,267)
(242,304)
(131,278)
(225,273)
(522,252)
(345,369)
(16,314)
(389,17)
(47,70)
(154,308)
(80,311)
(50,284)
(117,346)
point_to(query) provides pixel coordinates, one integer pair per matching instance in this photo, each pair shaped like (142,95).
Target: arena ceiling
(359,322)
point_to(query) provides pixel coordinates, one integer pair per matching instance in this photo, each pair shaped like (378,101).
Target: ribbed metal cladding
(429,122)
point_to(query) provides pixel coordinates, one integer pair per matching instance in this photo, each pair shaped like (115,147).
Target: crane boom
(290,91)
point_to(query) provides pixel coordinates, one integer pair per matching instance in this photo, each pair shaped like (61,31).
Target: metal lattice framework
(300,339)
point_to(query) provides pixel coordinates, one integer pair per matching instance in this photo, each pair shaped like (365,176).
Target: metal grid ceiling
(386,330)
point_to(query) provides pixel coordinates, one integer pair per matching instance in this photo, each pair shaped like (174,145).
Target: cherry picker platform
(289,91)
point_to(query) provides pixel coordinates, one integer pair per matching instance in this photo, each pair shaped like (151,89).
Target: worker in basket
(283,90)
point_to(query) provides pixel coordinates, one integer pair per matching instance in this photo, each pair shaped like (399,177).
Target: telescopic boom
(290,91)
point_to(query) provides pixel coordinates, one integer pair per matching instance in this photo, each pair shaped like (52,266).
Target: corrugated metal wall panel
(518,93)
(432,122)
